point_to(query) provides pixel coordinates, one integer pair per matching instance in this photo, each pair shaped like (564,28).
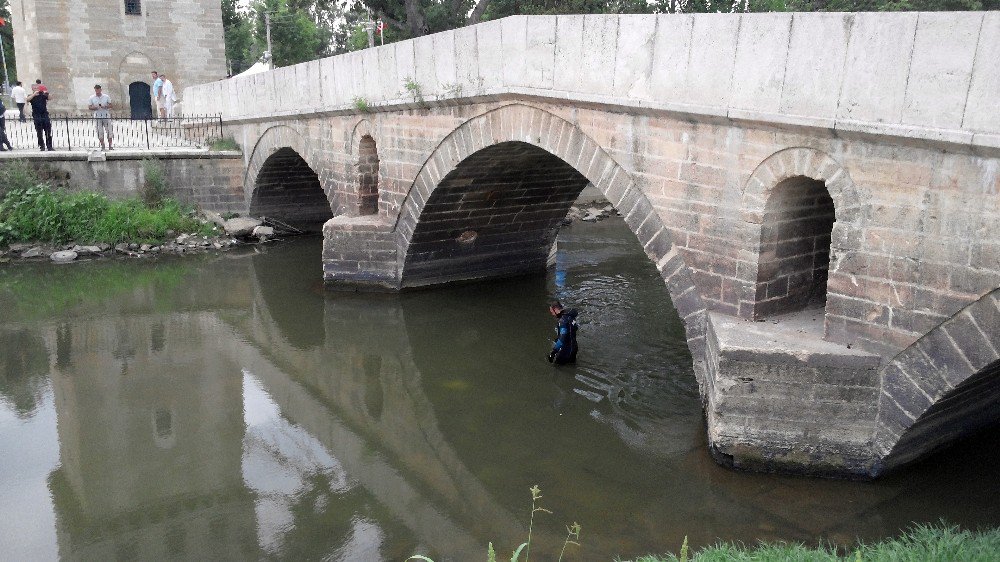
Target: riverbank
(39,219)
(924,543)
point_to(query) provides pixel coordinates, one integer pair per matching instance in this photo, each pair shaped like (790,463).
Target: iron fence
(79,132)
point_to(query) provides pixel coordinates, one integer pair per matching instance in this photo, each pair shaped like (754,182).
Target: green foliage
(361,104)
(241,45)
(7,36)
(924,543)
(224,143)
(413,88)
(32,210)
(295,37)
(154,183)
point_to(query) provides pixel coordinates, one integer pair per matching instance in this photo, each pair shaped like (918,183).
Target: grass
(31,209)
(922,543)
(225,143)
(361,104)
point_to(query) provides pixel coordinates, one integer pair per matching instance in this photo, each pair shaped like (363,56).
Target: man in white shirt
(167,91)
(20,98)
(100,104)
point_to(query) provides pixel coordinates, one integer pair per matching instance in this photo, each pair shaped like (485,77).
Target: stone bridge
(820,193)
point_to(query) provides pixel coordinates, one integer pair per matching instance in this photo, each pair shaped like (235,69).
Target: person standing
(157,87)
(39,100)
(20,98)
(4,141)
(167,91)
(564,346)
(100,104)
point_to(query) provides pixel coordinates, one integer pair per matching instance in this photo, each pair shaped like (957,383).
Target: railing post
(146,121)
(69,144)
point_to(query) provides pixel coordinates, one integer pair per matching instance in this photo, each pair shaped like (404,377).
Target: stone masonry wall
(210,182)
(73,45)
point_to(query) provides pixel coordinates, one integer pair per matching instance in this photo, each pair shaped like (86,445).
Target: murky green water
(225,407)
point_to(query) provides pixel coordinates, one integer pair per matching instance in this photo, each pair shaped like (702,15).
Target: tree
(295,37)
(241,48)
(7,36)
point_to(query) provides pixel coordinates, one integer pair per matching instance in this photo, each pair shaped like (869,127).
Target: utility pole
(370,28)
(267,26)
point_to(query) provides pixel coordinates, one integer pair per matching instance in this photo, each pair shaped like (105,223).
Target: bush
(32,210)
(154,184)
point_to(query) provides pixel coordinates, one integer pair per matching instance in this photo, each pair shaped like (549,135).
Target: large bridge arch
(944,386)
(282,180)
(554,161)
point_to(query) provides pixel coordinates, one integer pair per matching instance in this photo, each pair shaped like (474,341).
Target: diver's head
(555,308)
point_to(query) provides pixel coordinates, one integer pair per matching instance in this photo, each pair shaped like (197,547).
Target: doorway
(140,101)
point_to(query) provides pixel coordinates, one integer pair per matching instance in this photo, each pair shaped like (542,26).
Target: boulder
(263,232)
(32,252)
(241,226)
(215,218)
(86,250)
(63,256)
(121,248)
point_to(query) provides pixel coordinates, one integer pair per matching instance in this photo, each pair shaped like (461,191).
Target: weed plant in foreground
(922,543)
(33,210)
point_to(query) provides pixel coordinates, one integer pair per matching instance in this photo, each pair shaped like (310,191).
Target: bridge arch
(282,180)
(528,166)
(798,201)
(942,387)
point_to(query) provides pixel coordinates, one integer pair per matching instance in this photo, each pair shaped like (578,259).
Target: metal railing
(79,132)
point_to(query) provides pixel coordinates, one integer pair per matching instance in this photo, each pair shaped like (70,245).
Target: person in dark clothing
(4,141)
(564,346)
(39,100)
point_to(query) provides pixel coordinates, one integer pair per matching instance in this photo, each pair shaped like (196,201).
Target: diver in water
(564,347)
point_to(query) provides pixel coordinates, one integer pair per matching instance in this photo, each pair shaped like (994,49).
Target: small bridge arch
(283,181)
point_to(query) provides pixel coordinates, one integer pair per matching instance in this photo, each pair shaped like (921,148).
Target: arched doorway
(140,100)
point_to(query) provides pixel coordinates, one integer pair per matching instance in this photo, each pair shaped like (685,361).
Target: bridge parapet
(924,76)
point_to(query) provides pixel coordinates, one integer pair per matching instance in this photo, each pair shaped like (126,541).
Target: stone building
(72,45)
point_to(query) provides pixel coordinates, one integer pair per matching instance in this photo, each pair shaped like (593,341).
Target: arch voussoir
(941,387)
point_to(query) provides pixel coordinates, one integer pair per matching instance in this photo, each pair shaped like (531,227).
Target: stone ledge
(791,339)
(121,154)
(362,223)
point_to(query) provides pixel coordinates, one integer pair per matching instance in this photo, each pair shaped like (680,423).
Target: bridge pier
(781,398)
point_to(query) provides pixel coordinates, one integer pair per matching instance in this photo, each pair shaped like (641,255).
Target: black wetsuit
(564,346)
(4,141)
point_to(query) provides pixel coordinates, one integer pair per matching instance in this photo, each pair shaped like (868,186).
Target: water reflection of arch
(364,376)
(288,299)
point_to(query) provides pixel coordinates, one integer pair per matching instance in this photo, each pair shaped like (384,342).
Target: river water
(226,407)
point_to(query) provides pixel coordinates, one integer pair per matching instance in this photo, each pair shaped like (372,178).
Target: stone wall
(741,67)
(211,181)
(73,45)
